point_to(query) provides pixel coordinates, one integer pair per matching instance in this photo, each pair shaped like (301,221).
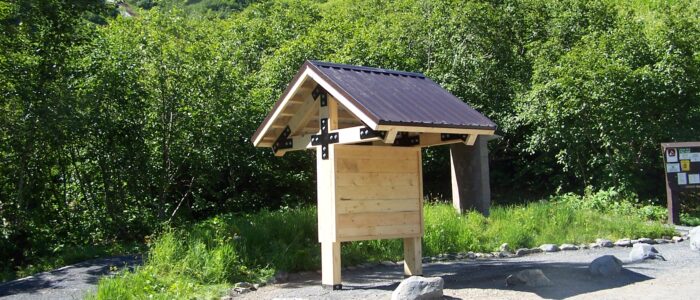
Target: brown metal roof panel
(396,97)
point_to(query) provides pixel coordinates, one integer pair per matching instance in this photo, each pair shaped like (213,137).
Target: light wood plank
(361,220)
(377,206)
(376,152)
(387,179)
(434,129)
(374,237)
(345,165)
(377,192)
(379,232)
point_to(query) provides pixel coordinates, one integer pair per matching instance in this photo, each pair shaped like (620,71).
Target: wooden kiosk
(368,126)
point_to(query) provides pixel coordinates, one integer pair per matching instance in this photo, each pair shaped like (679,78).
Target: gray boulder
(694,236)
(604,243)
(529,277)
(549,248)
(623,243)
(606,265)
(647,241)
(568,247)
(643,251)
(418,287)
(522,251)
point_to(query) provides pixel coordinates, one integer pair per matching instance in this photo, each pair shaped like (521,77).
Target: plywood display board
(378,193)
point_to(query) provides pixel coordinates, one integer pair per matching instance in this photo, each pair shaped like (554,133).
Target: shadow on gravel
(80,274)
(569,279)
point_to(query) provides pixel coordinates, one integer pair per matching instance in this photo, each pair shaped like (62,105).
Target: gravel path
(676,278)
(69,282)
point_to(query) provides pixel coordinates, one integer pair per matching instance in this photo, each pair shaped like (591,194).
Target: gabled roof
(401,98)
(381,97)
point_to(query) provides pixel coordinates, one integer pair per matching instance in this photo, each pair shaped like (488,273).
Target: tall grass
(203,259)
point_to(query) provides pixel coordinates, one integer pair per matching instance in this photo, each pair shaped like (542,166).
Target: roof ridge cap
(366,69)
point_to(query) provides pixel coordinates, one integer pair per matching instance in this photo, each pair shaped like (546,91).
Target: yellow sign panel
(685,165)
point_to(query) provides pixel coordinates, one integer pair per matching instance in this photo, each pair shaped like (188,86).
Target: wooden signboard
(367,126)
(682,168)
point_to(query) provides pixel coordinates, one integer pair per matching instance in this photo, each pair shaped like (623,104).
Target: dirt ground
(676,278)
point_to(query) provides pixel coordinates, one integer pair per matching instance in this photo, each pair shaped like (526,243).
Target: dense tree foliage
(110,126)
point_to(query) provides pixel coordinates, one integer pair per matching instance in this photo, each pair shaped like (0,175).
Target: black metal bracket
(325,138)
(452,136)
(333,287)
(320,92)
(404,140)
(368,133)
(283,141)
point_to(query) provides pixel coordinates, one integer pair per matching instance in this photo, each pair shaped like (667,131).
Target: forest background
(119,118)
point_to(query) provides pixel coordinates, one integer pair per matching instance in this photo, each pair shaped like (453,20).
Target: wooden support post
(330,247)
(672,204)
(330,265)
(413,257)
(470,176)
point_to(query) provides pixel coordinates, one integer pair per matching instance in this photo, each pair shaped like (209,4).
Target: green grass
(204,259)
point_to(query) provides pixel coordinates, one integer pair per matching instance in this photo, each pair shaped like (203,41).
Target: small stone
(549,248)
(661,241)
(471,255)
(227,297)
(529,277)
(606,265)
(634,242)
(418,287)
(568,247)
(503,254)
(644,251)
(583,246)
(593,246)
(604,243)
(666,237)
(623,243)
(536,250)
(505,247)
(647,241)
(522,251)
(677,239)
(387,263)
